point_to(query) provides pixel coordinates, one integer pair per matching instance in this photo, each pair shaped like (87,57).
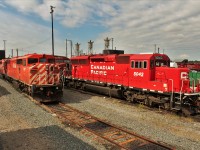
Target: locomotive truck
(143,78)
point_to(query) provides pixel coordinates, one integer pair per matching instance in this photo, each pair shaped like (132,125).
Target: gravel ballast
(25,125)
(180,132)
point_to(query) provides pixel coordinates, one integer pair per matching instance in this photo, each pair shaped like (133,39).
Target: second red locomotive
(144,78)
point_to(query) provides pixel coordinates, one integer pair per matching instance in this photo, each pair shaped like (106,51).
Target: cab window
(19,61)
(75,61)
(51,60)
(32,60)
(139,64)
(144,64)
(83,61)
(136,64)
(160,63)
(42,60)
(132,64)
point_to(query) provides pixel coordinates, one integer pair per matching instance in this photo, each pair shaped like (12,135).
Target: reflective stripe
(42,76)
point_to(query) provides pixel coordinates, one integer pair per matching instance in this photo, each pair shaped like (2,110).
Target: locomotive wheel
(129,98)
(127,95)
(189,111)
(186,112)
(166,106)
(150,103)
(146,101)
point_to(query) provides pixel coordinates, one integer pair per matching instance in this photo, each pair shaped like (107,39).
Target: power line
(38,43)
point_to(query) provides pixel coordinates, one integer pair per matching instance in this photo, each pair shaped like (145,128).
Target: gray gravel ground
(183,133)
(24,125)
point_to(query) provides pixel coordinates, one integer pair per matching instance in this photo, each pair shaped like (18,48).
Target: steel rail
(107,131)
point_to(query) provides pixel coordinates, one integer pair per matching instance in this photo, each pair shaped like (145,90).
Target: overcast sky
(136,25)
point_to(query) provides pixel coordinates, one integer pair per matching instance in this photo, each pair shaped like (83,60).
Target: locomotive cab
(143,66)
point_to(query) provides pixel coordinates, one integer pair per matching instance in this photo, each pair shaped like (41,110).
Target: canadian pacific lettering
(100,70)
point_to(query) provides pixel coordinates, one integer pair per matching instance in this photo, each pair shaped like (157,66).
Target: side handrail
(171,99)
(181,91)
(193,83)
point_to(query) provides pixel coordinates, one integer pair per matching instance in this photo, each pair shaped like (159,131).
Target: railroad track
(117,136)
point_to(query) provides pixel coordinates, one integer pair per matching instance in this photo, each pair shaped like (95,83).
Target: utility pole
(52,29)
(17,52)
(155,48)
(12,53)
(112,43)
(71,47)
(66,47)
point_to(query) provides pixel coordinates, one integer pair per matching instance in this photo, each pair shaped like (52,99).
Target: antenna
(52,8)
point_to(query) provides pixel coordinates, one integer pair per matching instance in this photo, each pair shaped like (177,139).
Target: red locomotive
(191,65)
(34,74)
(144,78)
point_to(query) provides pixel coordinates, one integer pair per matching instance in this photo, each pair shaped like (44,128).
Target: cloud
(70,13)
(2,5)
(27,37)
(172,25)
(22,5)
(135,25)
(76,13)
(184,56)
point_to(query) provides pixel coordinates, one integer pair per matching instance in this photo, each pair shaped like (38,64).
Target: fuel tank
(117,93)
